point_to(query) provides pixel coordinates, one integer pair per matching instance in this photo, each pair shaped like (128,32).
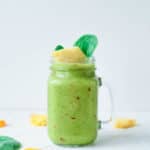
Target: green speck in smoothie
(62,139)
(73,118)
(89,89)
(77,97)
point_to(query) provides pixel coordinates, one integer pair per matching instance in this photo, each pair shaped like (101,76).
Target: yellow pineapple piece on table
(38,120)
(31,148)
(124,123)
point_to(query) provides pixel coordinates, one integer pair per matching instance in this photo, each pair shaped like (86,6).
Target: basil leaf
(87,43)
(8,143)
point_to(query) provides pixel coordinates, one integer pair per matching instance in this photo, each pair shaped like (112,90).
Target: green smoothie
(72,103)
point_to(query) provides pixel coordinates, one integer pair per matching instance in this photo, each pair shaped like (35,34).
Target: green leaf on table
(59,47)
(8,143)
(87,43)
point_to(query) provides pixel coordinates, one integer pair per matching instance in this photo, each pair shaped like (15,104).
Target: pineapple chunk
(124,123)
(30,148)
(71,55)
(38,120)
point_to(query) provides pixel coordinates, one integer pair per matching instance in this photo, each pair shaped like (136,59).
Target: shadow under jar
(72,103)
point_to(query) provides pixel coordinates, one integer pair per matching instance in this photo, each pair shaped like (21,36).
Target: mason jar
(72,103)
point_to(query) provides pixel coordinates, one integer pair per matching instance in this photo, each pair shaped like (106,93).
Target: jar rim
(72,66)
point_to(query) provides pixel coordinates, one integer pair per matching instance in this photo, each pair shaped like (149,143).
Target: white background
(30,29)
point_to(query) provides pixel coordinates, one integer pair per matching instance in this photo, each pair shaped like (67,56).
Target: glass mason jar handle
(110,101)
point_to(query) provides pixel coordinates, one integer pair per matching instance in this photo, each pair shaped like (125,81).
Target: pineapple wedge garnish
(70,55)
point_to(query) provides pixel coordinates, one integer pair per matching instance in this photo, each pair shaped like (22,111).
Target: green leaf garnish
(87,43)
(59,47)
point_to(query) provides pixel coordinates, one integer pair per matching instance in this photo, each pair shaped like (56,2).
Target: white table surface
(108,138)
